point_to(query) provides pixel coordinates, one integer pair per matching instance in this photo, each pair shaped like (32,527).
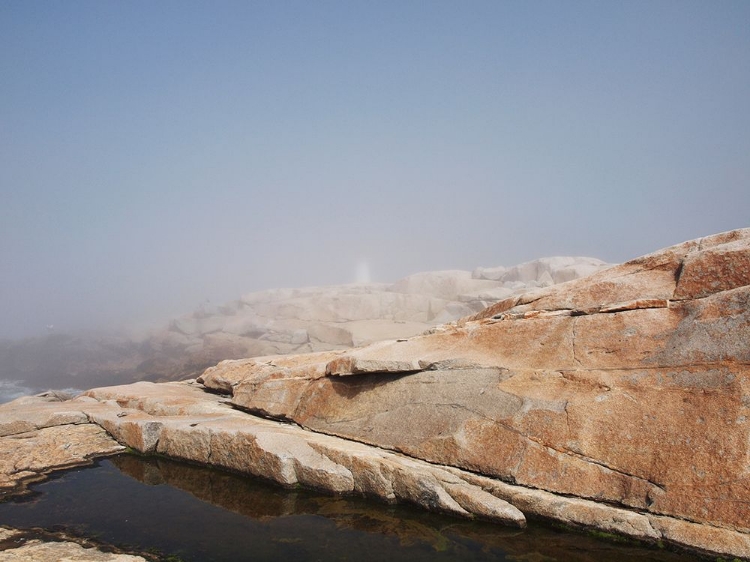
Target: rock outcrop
(619,401)
(15,546)
(182,421)
(628,387)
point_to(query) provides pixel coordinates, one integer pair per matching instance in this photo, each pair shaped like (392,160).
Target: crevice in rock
(263,414)
(210,453)
(382,373)
(217,391)
(531,314)
(677,275)
(571,377)
(625,306)
(595,462)
(451,365)
(573,343)
(583,311)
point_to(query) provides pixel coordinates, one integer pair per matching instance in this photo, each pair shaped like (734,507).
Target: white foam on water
(10,390)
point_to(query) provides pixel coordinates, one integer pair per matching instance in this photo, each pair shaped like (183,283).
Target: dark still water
(204,515)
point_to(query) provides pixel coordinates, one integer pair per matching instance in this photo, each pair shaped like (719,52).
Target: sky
(157,155)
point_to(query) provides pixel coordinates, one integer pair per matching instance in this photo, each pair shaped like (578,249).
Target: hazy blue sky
(157,154)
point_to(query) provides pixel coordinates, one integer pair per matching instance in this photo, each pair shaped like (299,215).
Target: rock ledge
(618,401)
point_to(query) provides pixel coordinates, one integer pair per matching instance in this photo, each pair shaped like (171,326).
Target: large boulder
(629,387)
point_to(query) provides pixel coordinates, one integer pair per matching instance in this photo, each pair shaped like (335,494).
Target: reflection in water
(201,514)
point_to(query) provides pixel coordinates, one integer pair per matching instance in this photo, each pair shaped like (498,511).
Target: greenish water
(204,515)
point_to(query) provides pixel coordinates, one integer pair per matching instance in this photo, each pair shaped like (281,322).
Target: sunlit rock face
(618,401)
(631,386)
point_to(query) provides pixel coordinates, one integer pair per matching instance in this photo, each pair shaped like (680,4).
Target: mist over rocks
(281,321)
(617,401)
(66,361)
(273,322)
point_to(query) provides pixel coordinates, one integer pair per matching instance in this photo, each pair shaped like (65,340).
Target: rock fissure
(595,462)
(528,439)
(571,377)
(620,307)
(660,367)
(573,343)
(567,419)
(263,413)
(209,446)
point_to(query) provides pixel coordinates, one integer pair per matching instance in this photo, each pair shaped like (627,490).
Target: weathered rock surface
(618,401)
(38,436)
(628,387)
(14,548)
(181,420)
(188,424)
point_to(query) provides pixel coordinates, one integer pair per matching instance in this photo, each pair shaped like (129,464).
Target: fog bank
(156,157)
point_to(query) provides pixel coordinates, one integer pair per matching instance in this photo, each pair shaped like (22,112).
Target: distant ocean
(10,390)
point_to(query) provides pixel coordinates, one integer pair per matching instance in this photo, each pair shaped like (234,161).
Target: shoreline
(292,456)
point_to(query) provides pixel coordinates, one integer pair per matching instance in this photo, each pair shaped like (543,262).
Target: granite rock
(628,387)
(617,401)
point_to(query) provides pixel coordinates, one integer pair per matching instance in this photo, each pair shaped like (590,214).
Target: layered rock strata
(629,387)
(618,401)
(180,420)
